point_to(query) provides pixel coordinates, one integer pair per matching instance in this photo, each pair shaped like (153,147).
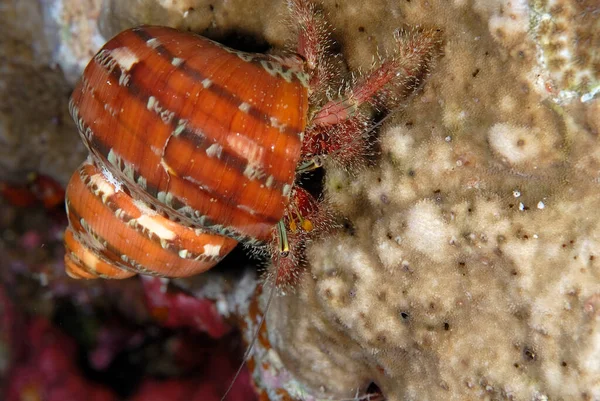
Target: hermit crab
(194,147)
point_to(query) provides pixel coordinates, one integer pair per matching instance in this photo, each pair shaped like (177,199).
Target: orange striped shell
(193,147)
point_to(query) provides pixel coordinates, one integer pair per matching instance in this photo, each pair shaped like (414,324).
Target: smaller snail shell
(134,237)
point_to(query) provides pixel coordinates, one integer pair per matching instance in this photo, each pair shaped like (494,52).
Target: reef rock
(43,49)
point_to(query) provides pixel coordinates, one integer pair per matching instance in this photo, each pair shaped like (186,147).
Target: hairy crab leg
(414,53)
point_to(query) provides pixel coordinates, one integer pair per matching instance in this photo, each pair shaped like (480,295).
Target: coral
(568,35)
(468,269)
(46,367)
(47,370)
(182,310)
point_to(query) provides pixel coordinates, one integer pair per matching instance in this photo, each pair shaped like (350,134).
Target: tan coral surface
(471,267)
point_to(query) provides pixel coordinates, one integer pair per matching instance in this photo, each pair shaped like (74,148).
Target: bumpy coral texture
(469,269)
(568,35)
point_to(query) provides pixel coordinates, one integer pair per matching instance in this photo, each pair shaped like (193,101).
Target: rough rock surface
(37,70)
